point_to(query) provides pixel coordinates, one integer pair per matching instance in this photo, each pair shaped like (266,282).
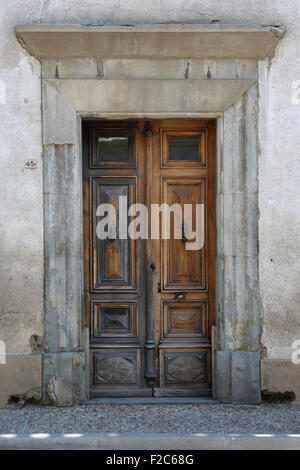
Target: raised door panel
(184,320)
(117,368)
(111,319)
(114,260)
(182,268)
(184,369)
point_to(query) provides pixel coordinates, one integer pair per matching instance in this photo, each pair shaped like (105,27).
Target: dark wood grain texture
(149,304)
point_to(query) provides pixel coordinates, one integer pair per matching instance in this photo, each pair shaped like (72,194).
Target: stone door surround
(166,71)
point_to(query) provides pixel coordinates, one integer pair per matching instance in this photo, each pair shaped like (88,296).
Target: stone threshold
(150,441)
(152,401)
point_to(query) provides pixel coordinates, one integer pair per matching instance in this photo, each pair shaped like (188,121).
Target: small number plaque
(30,164)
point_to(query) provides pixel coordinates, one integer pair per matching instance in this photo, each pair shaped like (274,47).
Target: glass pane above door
(184,147)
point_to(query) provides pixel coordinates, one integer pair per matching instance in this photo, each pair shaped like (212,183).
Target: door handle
(179,295)
(183,239)
(112,233)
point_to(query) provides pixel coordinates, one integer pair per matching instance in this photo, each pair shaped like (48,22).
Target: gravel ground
(266,418)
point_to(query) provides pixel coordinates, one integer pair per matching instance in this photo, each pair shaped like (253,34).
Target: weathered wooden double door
(149,301)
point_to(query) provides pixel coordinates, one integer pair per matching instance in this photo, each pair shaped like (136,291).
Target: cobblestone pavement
(265,418)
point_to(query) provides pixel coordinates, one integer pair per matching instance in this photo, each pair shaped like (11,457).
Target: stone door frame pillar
(193,71)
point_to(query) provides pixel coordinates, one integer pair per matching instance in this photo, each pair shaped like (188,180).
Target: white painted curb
(148,441)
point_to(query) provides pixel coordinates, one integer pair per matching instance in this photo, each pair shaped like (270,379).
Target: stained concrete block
(71,68)
(240,224)
(139,68)
(61,168)
(239,322)
(209,69)
(64,378)
(240,304)
(19,375)
(147,96)
(282,376)
(225,69)
(223,376)
(238,377)
(62,249)
(148,41)
(59,391)
(245,377)
(62,130)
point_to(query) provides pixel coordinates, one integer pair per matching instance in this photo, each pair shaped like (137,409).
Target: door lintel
(175,41)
